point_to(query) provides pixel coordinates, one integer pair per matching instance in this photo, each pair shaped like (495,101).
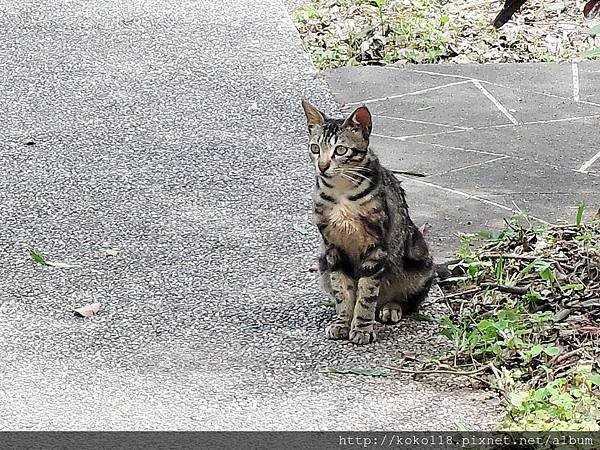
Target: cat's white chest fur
(346,227)
(345,216)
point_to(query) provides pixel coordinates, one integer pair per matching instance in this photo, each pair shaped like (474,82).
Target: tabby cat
(375,261)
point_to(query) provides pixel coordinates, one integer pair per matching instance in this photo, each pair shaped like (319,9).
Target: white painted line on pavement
(402,119)
(471,197)
(585,102)
(575,69)
(564,119)
(468,150)
(487,127)
(586,165)
(422,91)
(410,136)
(428,72)
(470,166)
(498,105)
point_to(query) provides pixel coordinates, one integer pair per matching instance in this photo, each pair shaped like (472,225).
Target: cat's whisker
(362,169)
(348,177)
(358,174)
(352,170)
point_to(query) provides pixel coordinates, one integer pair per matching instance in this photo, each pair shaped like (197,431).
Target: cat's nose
(323,166)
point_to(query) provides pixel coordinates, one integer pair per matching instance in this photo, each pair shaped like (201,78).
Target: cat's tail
(443,271)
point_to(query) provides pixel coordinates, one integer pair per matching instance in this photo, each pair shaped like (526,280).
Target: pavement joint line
(449,75)
(575,70)
(586,165)
(412,136)
(424,122)
(509,156)
(499,154)
(561,97)
(545,94)
(429,72)
(489,127)
(473,197)
(406,94)
(495,101)
(482,163)
(585,102)
(468,150)
(537,122)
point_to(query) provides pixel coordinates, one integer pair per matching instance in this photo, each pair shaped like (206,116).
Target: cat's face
(337,147)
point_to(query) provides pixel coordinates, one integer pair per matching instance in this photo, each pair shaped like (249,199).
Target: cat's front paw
(337,331)
(363,337)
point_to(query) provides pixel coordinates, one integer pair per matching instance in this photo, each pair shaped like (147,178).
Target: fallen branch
(560,358)
(469,373)
(460,294)
(518,290)
(517,256)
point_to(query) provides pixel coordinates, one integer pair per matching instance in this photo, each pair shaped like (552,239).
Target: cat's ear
(360,119)
(313,115)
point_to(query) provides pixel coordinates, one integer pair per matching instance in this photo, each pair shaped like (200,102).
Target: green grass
(567,403)
(351,32)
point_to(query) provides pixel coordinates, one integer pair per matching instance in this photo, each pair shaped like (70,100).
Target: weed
(512,311)
(564,404)
(340,33)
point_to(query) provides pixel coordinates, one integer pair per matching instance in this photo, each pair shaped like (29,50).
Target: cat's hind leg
(417,297)
(403,297)
(390,313)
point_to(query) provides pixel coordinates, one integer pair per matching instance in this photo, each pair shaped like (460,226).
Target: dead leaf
(88,310)
(39,258)
(111,251)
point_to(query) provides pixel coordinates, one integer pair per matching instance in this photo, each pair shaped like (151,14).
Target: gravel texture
(172,130)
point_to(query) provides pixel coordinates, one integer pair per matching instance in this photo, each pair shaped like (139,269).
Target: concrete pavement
(172,130)
(492,139)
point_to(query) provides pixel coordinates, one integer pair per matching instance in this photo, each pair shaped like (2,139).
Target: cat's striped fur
(374,262)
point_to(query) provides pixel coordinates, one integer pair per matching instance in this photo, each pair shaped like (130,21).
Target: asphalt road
(172,131)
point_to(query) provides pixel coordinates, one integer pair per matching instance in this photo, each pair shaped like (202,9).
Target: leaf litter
(524,320)
(362,32)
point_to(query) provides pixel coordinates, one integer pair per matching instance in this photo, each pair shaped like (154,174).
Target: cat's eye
(340,150)
(315,148)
